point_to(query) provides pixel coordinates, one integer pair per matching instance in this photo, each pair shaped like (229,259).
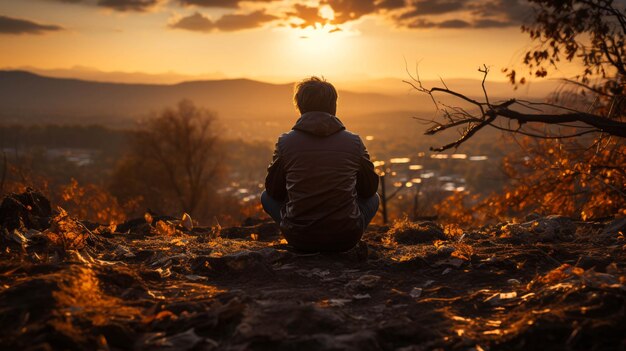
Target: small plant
(66,232)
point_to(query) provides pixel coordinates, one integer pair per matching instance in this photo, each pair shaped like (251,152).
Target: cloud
(433,7)
(512,11)
(404,13)
(449,24)
(453,24)
(391,4)
(464,14)
(227,23)
(451,14)
(196,22)
(309,15)
(117,5)
(489,23)
(10,25)
(350,10)
(219,3)
(128,5)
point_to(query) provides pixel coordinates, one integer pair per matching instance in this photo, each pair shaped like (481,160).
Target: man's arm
(366,177)
(275,181)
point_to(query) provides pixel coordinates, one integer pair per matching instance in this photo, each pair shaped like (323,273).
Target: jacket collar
(319,123)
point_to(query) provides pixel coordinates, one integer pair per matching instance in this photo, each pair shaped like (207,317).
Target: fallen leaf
(338,302)
(195,278)
(186,222)
(460,319)
(163,273)
(498,298)
(416,292)
(493,332)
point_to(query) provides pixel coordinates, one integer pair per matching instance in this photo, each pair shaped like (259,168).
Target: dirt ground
(153,284)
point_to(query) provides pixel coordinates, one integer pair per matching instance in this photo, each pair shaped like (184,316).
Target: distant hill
(27,97)
(96,75)
(497,89)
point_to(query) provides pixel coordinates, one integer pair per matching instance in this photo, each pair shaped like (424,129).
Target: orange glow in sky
(272,40)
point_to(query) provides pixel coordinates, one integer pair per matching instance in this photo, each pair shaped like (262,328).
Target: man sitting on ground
(321,185)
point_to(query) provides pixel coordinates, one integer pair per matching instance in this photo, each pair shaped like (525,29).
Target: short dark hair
(315,94)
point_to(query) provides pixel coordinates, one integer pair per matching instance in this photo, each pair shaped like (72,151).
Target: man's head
(315,94)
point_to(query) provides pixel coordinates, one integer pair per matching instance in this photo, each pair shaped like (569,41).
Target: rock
(410,233)
(416,292)
(364,282)
(28,210)
(547,229)
(445,250)
(449,262)
(271,255)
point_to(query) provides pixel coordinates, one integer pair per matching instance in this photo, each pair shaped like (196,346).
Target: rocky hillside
(157,283)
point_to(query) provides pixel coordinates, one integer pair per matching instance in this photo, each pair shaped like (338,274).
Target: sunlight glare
(327,12)
(319,38)
(320,49)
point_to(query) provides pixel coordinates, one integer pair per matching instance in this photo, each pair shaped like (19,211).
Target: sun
(321,47)
(319,50)
(319,36)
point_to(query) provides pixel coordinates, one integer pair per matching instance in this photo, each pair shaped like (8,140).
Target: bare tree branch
(456,116)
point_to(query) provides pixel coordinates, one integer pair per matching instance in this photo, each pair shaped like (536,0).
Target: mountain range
(32,98)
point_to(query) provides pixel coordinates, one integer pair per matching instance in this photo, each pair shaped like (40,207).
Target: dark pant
(368,207)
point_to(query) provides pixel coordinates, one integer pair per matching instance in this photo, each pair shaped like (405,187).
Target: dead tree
(487,113)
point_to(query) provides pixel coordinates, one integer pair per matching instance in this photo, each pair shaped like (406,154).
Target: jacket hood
(319,123)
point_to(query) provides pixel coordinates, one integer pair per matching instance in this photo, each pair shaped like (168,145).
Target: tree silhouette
(573,160)
(591,33)
(172,162)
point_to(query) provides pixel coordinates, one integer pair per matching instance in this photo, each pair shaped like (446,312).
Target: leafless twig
(488,113)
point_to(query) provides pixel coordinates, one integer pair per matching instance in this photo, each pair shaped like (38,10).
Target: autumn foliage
(94,203)
(550,177)
(573,170)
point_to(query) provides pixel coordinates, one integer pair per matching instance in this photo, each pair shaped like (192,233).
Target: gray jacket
(320,169)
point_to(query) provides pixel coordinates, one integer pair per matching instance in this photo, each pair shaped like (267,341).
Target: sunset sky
(272,40)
